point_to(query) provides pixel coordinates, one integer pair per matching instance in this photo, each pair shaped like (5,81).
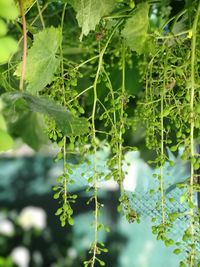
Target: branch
(22,78)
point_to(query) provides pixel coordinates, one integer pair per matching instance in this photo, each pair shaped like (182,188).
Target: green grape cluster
(61,194)
(169,112)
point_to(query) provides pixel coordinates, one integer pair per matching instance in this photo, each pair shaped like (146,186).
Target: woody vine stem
(23,72)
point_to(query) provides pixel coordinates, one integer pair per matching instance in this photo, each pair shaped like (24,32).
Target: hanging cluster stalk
(125,204)
(121,121)
(65,211)
(193,91)
(162,156)
(96,247)
(170,112)
(153,109)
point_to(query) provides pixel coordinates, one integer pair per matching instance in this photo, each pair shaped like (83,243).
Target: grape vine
(73,69)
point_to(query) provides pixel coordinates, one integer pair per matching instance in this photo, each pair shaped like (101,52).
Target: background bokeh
(31,235)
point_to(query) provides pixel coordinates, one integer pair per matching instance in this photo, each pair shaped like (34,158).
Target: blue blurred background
(31,235)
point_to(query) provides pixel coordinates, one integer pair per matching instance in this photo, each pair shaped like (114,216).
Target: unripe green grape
(132,4)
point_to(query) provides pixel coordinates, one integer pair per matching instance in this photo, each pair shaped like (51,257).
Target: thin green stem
(81,93)
(23,72)
(118,16)
(162,131)
(40,14)
(34,20)
(171,35)
(107,113)
(95,161)
(85,62)
(61,48)
(192,144)
(29,8)
(102,132)
(174,18)
(149,103)
(120,152)
(64,103)
(162,150)
(112,95)
(64,170)
(100,65)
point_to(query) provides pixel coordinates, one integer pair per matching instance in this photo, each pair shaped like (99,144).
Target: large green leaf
(89,12)
(65,121)
(6,141)
(33,127)
(3,28)
(8,46)
(2,123)
(41,60)
(135,30)
(8,9)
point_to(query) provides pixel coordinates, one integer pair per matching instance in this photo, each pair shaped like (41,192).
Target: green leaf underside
(65,121)
(41,60)
(90,12)
(135,30)
(33,129)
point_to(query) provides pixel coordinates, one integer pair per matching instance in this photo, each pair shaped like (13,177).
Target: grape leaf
(33,127)
(41,60)
(89,12)
(8,46)
(65,121)
(2,123)
(3,28)
(6,141)
(135,29)
(8,9)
